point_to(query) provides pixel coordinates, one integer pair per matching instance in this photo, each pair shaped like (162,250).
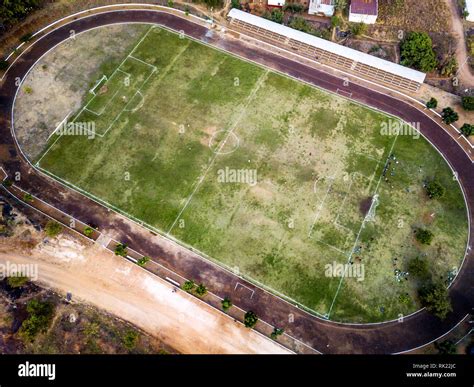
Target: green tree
(468,103)
(424,236)
(201,290)
(235,4)
(300,24)
(121,249)
(341,5)
(432,103)
(447,347)
(188,286)
(130,339)
(250,319)
(28,198)
(467,129)
(52,228)
(276,15)
(40,314)
(88,231)
(449,67)
(276,332)
(336,21)
(293,8)
(449,115)
(17,281)
(226,304)
(435,298)
(434,189)
(358,29)
(417,52)
(418,268)
(143,261)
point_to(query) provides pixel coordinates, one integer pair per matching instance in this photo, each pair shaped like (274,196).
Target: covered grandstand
(326,52)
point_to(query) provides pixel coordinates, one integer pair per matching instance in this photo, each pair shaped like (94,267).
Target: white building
(363,11)
(276,3)
(325,7)
(470,10)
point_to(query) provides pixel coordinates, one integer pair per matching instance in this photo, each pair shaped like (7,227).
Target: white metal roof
(470,9)
(332,47)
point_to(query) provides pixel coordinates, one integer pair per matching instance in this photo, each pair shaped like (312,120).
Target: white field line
(105,106)
(360,231)
(92,90)
(246,287)
(321,204)
(343,203)
(332,247)
(5,173)
(202,255)
(139,60)
(232,127)
(60,124)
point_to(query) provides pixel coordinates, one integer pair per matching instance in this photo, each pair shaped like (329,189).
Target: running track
(325,336)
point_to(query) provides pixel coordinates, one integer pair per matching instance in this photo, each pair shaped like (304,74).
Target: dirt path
(466,78)
(97,277)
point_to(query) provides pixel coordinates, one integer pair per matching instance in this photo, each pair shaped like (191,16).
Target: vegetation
(300,24)
(424,236)
(435,190)
(52,229)
(17,281)
(418,267)
(26,38)
(3,65)
(201,290)
(276,332)
(250,319)
(226,304)
(130,339)
(467,129)
(417,52)
(468,103)
(39,318)
(447,347)
(449,115)
(358,29)
(121,250)
(143,261)
(88,231)
(188,286)
(336,21)
(276,15)
(11,11)
(294,8)
(449,67)
(435,298)
(28,198)
(235,4)
(341,5)
(432,103)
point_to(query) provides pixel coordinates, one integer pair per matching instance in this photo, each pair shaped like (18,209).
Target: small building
(322,7)
(470,10)
(363,11)
(275,3)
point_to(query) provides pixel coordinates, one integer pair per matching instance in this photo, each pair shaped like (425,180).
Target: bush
(336,21)
(358,29)
(28,198)
(424,236)
(121,250)
(417,52)
(250,319)
(275,15)
(435,299)
(226,304)
(418,268)
(435,190)
(276,332)
(449,67)
(449,115)
(432,103)
(188,286)
(300,24)
(39,318)
(25,38)
(17,281)
(201,290)
(294,8)
(143,261)
(235,4)
(88,231)
(53,229)
(467,129)
(468,103)
(447,347)
(130,339)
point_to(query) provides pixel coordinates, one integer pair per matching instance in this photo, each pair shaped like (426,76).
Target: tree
(418,268)
(300,24)
(436,299)
(468,103)
(467,129)
(3,65)
(130,339)
(336,21)
(188,286)
(358,29)
(449,67)
(276,332)
(121,250)
(424,236)
(250,319)
(13,11)
(435,190)
(201,290)
(28,198)
(17,281)
(39,317)
(447,347)
(275,15)
(432,103)
(449,115)
(235,4)
(293,7)
(143,261)
(88,231)
(417,52)
(52,228)
(213,3)
(341,5)
(226,304)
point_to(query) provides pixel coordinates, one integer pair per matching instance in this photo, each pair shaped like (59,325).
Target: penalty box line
(360,230)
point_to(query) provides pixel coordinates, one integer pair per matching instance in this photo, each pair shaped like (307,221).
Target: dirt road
(97,277)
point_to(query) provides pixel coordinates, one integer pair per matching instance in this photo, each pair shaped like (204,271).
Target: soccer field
(274,179)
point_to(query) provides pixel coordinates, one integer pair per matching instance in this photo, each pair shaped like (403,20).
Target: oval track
(325,336)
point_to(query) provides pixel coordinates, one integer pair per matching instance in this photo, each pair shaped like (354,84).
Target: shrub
(250,319)
(300,24)
(28,90)
(235,4)
(447,347)
(417,52)
(53,229)
(294,7)
(336,21)
(358,29)
(276,332)
(468,103)
(143,261)
(3,65)
(435,190)
(17,281)
(418,268)
(130,339)
(28,198)
(39,317)
(121,250)
(88,231)
(226,304)
(25,38)
(201,290)
(449,115)
(467,129)
(432,103)
(424,236)
(188,286)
